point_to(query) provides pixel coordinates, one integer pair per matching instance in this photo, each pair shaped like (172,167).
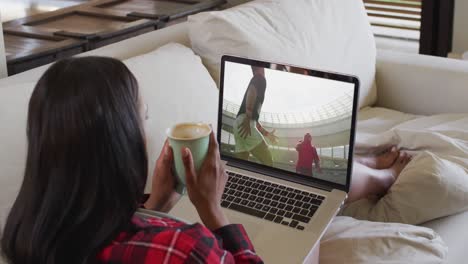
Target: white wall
(3,68)
(460,30)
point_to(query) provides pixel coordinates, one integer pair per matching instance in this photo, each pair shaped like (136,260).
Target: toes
(389,150)
(395,152)
(392,153)
(385,150)
(405,158)
(409,158)
(401,158)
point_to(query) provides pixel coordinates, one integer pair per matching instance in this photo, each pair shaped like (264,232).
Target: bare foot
(400,164)
(385,178)
(382,161)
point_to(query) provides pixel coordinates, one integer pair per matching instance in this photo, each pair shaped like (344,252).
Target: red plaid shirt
(164,240)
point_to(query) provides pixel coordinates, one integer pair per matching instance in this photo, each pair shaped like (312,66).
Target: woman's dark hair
(86,165)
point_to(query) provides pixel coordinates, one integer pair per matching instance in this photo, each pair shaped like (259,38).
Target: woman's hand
(206,188)
(163,196)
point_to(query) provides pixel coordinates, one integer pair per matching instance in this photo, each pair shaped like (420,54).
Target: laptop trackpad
(186,211)
(251,224)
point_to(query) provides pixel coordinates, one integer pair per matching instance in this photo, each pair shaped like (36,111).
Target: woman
(248,132)
(85,175)
(307,156)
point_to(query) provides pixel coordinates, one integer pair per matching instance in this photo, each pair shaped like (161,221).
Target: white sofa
(415,84)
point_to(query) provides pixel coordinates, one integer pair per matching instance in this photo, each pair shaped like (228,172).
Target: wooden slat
(45,15)
(393,10)
(84,22)
(23,47)
(394,26)
(161,9)
(105,13)
(405,10)
(25,31)
(397,2)
(201,6)
(395,17)
(411,5)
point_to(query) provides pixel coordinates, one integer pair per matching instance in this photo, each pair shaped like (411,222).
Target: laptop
(286,134)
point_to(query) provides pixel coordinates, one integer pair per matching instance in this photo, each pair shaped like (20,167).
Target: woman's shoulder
(153,238)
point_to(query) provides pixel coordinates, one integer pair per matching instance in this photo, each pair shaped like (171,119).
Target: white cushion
(453,231)
(14,102)
(177,88)
(332,35)
(407,82)
(355,242)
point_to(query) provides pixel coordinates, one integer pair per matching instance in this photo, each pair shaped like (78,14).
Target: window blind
(400,19)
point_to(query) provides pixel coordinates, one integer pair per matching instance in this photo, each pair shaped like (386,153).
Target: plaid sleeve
(236,242)
(208,249)
(162,240)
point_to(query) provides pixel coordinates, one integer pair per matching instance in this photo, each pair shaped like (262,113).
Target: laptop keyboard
(273,202)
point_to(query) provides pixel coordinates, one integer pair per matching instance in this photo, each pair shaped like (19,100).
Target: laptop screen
(288,119)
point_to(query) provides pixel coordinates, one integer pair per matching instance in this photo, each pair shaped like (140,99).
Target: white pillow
(352,241)
(14,100)
(332,35)
(177,88)
(428,188)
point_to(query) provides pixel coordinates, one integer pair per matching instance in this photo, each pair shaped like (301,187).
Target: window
(417,26)
(396,23)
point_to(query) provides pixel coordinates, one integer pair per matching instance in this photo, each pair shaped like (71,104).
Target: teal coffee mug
(194,136)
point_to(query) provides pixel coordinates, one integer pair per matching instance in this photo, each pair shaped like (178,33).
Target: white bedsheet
(441,134)
(354,241)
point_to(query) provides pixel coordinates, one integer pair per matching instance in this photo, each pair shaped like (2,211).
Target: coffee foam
(189,131)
